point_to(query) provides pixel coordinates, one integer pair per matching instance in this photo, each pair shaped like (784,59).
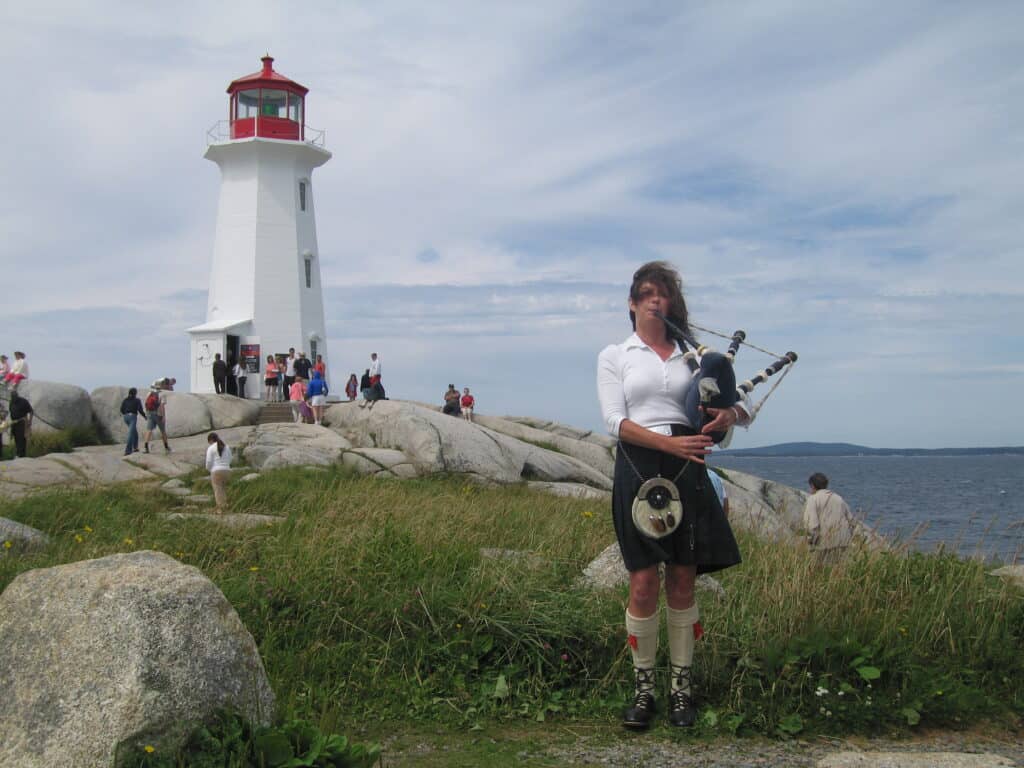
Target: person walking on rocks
(218,461)
(20,417)
(220,375)
(131,409)
(156,417)
(664,509)
(297,396)
(831,526)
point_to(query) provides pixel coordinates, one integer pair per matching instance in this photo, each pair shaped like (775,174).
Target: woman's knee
(679,585)
(643,589)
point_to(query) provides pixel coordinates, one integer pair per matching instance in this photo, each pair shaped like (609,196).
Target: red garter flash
(698,631)
(632,642)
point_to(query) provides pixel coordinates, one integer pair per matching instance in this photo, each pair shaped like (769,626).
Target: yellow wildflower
(78,538)
(254,568)
(87,529)
(149,749)
(7,545)
(129,542)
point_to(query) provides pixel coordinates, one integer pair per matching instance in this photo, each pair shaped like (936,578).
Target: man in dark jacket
(21,422)
(220,375)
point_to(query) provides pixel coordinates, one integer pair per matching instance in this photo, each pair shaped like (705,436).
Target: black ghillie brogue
(638,716)
(682,712)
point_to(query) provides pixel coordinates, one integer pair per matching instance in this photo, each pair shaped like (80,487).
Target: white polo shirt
(634,383)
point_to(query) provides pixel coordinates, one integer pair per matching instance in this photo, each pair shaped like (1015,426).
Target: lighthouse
(265,294)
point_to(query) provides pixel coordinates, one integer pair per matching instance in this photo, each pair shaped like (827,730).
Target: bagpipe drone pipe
(716,385)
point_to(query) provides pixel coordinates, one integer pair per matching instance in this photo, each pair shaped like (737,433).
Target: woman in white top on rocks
(218,461)
(641,385)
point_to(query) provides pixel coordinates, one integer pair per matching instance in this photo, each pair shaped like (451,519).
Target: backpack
(152,401)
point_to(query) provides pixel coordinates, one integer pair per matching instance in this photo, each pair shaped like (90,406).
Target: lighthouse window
(274,103)
(309,273)
(302,195)
(248,103)
(294,108)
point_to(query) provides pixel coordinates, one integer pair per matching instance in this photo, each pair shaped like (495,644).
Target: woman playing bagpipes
(664,508)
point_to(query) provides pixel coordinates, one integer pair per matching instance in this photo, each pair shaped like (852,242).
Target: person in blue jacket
(317,394)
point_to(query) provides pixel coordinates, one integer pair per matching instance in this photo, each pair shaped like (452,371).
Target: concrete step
(275,413)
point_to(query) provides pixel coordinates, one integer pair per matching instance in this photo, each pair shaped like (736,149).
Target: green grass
(63,441)
(373,603)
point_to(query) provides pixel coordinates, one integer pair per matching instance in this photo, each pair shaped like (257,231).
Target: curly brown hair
(665,276)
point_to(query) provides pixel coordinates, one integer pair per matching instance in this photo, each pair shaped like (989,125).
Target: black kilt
(703,538)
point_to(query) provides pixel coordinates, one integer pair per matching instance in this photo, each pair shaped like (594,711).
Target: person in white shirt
(641,384)
(218,461)
(374,369)
(831,526)
(240,374)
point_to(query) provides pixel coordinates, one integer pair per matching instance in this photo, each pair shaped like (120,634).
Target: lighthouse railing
(220,132)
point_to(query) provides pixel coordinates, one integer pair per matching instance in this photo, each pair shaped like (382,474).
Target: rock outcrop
(124,650)
(57,406)
(16,537)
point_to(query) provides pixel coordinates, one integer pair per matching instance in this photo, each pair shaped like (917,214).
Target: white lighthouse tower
(265,293)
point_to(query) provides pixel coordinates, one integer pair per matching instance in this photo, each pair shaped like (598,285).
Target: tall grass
(374,599)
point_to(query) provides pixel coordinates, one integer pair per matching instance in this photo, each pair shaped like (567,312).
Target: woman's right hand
(691,447)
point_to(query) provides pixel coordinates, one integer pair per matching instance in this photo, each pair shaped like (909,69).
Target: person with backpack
(317,393)
(156,418)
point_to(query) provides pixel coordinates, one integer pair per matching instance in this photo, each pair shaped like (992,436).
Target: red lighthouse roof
(267,104)
(267,78)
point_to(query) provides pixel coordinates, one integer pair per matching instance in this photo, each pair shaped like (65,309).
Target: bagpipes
(716,379)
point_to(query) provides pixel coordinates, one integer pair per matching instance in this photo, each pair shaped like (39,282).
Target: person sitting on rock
(467,403)
(18,372)
(451,401)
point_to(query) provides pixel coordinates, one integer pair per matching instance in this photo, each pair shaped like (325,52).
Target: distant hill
(849,449)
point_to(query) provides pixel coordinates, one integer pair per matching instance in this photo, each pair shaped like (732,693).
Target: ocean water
(971,504)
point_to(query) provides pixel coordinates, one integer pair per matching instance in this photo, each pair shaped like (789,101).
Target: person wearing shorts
(317,396)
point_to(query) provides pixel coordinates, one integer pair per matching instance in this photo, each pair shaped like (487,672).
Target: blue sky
(840,179)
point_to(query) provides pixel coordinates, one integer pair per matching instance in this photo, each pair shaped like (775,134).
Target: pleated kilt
(703,538)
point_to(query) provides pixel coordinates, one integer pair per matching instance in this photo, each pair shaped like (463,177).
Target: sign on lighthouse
(265,295)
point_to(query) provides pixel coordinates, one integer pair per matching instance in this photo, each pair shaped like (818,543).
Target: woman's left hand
(721,419)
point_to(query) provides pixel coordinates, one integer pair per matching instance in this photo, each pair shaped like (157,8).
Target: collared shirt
(375,367)
(634,383)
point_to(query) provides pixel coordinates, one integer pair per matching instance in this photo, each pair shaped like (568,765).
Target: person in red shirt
(467,404)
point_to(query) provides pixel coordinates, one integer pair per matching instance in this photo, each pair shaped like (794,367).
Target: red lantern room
(267,104)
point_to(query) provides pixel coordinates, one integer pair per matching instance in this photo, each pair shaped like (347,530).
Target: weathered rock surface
(57,406)
(284,445)
(186,414)
(1012,573)
(914,760)
(116,651)
(437,443)
(572,491)
(235,520)
(22,538)
(597,456)
(230,411)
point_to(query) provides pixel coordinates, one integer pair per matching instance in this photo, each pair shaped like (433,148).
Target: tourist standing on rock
(20,417)
(270,380)
(659,463)
(352,388)
(131,409)
(467,403)
(831,526)
(156,417)
(220,375)
(218,461)
(374,369)
(239,373)
(321,366)
(303,367)
(318,397)
(297,396)
(289,369)
(18,372)
(365,387)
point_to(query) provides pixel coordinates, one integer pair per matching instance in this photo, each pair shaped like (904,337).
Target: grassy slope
(373,603)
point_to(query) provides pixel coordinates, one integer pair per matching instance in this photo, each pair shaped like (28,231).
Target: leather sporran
(657,508)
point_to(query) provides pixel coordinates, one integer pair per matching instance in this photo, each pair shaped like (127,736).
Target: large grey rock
(554,427)
(234,520)
(270,446)
(187,414)
(230,411)
(18,537)
(438,443)
(57,406)
(597,456)
(117,651)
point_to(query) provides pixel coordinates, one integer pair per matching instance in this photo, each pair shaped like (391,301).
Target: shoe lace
(644,686)
(680,697)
